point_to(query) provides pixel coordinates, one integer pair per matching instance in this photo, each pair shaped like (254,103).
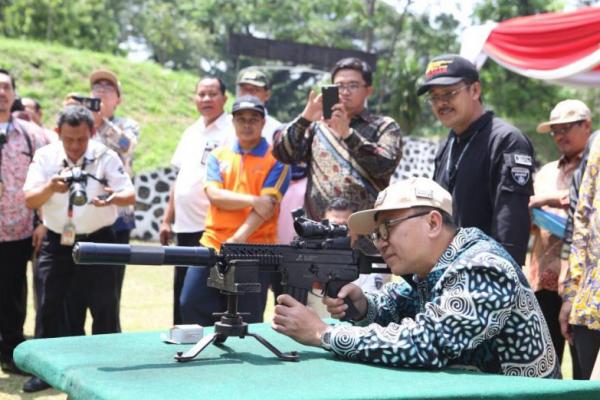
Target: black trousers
(67,290)
(587,344)
(13,294)
(187,239)
(550,303)
(199,302)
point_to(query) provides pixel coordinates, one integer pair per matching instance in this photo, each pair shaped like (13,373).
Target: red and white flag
(562,47)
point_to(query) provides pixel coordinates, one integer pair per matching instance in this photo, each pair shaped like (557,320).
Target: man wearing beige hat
(467,308)
(570,127)
(120,134)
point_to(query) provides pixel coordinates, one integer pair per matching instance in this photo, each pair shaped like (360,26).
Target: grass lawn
(146,305)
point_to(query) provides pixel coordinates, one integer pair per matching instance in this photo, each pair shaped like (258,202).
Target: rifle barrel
(119,254)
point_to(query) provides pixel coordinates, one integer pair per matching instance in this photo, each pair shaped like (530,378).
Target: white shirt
(101,162)
(198,140)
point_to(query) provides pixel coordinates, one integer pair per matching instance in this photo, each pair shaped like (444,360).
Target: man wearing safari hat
(569,127)
(468,307)
(120,134)
(486,163)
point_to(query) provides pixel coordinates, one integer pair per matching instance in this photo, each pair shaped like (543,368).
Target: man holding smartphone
(121,135)
(352,154)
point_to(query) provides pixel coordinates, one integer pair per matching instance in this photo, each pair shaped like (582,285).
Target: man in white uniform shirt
(188,204)
(68,290)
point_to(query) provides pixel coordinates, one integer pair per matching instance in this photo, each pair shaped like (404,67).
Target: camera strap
(3,140)
(67,238)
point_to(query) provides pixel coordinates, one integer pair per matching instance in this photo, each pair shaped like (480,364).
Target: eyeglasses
(446,97)
(382,231)
(563,129)
(351,87)
(107,87)
(247,121)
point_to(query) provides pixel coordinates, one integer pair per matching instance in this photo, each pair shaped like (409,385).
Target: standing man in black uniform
(486,163)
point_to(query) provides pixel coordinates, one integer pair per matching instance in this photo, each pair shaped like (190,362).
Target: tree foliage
(83,24)
(193,35)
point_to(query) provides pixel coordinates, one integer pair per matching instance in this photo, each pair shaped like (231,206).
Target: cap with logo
(564,112)
(412,192)
(446,70)
(253,77)
(105,75)
(248,103)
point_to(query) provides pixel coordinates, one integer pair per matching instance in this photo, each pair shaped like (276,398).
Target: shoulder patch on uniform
(520,175)
(523,159)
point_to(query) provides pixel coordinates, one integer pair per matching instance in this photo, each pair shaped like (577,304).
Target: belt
(83,236)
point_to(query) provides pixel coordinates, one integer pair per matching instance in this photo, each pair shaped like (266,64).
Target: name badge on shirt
(68,234)
(523,159)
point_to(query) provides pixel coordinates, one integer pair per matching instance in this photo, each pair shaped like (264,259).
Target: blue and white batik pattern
(474,310)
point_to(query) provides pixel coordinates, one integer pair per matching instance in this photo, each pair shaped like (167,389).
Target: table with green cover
(140,366)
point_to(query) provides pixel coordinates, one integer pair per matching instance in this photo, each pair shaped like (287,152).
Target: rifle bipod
(231,324)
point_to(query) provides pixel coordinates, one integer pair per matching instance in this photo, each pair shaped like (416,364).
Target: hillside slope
(160,100)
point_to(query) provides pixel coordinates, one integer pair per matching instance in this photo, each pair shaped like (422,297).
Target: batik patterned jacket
(356,168)
(474,310)
(582,280)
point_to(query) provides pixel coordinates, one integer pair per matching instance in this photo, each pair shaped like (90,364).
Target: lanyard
(452,172)
(3,141)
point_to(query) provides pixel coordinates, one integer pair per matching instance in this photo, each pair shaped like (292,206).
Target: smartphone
(91,103)
(330,98)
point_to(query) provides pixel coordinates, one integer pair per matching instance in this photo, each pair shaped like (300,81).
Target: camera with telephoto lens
(76,178)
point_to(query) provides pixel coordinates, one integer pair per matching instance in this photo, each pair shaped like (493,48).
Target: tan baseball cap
(412,192)
(105,74)
(564,112)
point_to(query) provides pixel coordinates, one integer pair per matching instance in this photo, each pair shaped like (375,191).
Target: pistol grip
(332,289)
(297,293)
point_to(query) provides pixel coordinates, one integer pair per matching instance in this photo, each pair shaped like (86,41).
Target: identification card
(68,234)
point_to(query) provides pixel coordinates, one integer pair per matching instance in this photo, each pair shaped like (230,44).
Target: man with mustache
(485,163)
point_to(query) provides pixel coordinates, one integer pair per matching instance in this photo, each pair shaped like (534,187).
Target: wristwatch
(326,338)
